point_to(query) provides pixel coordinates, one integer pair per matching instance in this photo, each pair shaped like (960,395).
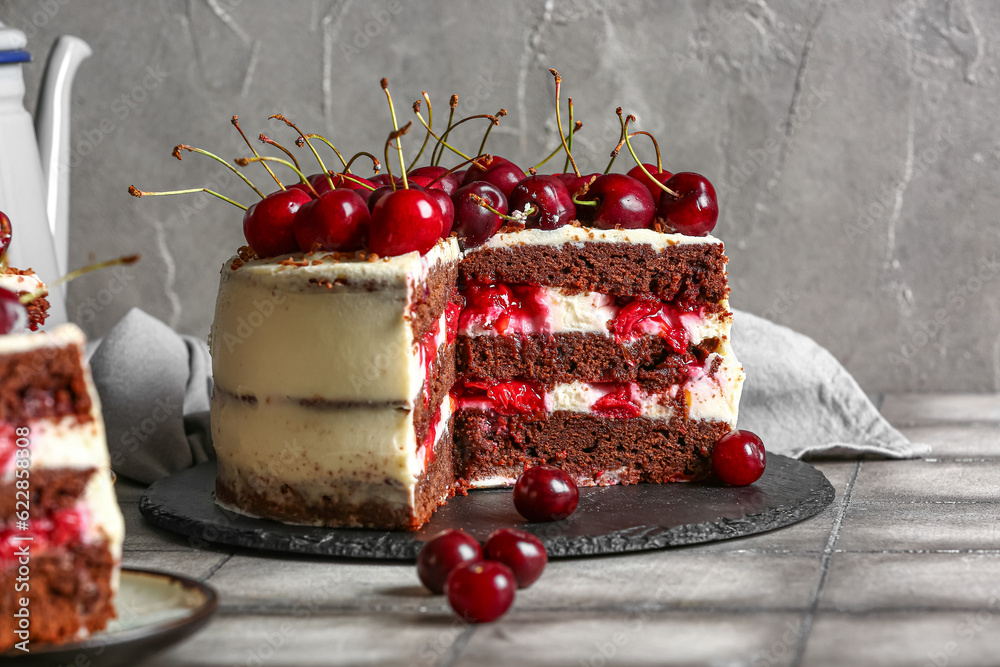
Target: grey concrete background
(852,142)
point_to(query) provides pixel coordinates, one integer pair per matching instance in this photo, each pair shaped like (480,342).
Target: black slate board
(609,520)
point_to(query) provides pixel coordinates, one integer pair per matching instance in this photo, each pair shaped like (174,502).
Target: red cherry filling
(55,529)
(550,202)
(509,398)
(13,314)
(443,554)
(617,403)
(545,493)
(738,458)
(502,307)
(651,314)
(404,221)
(618,201)
(519,550)
(268,224)
(337,221)
(481,592)
(694,210)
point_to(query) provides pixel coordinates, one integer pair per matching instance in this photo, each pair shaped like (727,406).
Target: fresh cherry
(5,233)
(268,224)
(481,592)
(738,458)
(551,202)
(338,220)
(385,179)
(13,314)
(475,224)
(443,554)
(447,209)
(404,221)
(573,182)
(545,493)
(519,550)
(655,190)
(476,171)
(435,180)
(621,201)
(694,210)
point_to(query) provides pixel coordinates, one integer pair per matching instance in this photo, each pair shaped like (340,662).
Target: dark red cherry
(338,220)
(268,223)
(573,182)
(738,458)
(447,209)
(5,233)
(519,550)
(481,592)
(374,195)
(437,178)
(13,314)
(322,184)
(551,201)
(475,172)
(545,493)
(443,554)
(694,211)
(404,221)
(474,224)
(621,200)
(385,179)
(659,176)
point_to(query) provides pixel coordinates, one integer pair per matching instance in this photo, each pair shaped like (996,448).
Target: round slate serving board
(609,520)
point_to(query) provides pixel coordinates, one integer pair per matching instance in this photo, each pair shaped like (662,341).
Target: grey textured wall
(852,142)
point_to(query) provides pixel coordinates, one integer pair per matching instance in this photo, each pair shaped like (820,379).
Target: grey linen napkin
(155,386)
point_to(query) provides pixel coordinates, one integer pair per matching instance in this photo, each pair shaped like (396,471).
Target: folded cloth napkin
(155,386)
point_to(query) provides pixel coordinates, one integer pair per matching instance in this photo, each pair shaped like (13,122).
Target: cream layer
(338,330)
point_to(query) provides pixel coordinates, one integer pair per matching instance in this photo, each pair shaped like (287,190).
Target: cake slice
(332,375)
(61,529)
(605,352)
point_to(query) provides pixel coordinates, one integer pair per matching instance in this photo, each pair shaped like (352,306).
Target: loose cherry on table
(443,554)
(551,203)
(13,314)
(268,224)
(475,224)
(658,176)
(481,592)
(519,550)
(617,201)
(337,221)
(691,207)
(404,221)
(738,458)
(545,493)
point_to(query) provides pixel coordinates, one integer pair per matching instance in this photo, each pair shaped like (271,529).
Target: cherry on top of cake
(410,211)
(22,293)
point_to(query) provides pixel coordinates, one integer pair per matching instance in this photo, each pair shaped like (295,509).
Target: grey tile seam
(237,610)
(215,568)
(807,622)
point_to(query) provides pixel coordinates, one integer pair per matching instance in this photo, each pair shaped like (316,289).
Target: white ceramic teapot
(34,159)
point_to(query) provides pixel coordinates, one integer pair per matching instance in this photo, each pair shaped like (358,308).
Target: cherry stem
(177,154)
(236,123)
(635,157)
(493,121)
(376,165)
(136,192)
(300,141)
(73,275)
(352,179)
(263,138)
(458,166)
(558,149)
(562,136)
(585,202)
(621,142)
(430,124)
(656,147)
(489,128)
(311,147)
(244,161)
(395,135)
(439,148)
(482,201)
(571,129)
(441,141)
(395,129)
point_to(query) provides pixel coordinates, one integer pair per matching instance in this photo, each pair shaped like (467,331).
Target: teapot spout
(52,127)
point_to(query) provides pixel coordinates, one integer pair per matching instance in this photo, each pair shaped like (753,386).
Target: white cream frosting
(20,283)
(579,235)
